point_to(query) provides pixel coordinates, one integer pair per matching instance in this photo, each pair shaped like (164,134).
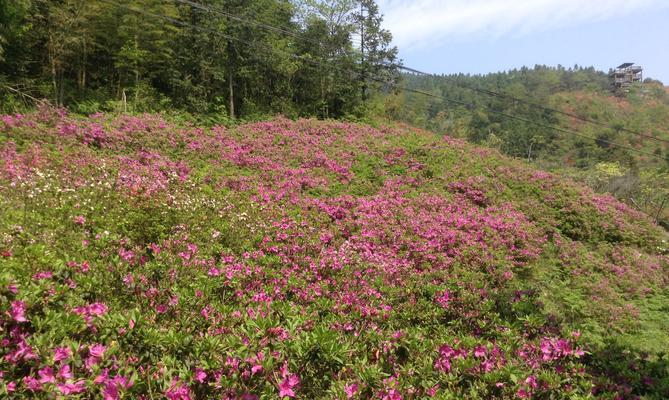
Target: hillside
(143,257)
(615,144)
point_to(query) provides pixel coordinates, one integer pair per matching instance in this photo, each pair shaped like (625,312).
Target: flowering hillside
(144,259)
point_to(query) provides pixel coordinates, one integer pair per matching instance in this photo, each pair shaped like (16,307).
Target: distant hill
(613,133)
(149,257)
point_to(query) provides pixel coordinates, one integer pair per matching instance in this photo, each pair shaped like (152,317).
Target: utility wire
(385,82)
(478,90)
(413,70)
(536,105)
(248,21)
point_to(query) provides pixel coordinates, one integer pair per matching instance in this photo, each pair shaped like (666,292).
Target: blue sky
(480,36)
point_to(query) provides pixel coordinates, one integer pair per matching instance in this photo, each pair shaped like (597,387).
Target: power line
(536,105)
(529,121)
(478,90)
(394,85)
(248,21)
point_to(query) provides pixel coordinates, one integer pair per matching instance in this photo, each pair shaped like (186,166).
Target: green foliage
(94,55)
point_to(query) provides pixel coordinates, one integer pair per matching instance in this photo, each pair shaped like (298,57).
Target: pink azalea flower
(256,369)
(11,387)
(65,372)
(444,299)
(531,381)
(72,388)
(102,377)
(287,385)
(479,351)
(351,390)
(200,375)
(97,309)
(18,310)
(62,353)
(178,391)
(110,392)
(97,350)
(32,384)
(79,220)
(46,375)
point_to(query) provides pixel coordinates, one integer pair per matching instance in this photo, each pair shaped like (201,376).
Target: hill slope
(313,260)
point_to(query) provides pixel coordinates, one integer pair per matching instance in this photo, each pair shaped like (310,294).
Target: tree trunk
(231,94)
(83,67)
(136,73)
(54,70)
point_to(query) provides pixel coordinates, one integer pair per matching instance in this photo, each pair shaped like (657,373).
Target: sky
(481,36)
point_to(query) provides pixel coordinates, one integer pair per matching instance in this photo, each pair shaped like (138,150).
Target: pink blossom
(65,372)
(79,220)
(351,390)
(17,311)
(61,353)
(97,350)
(444,299)
(46,375)
(32,384)
(102,377)
(287,385)
(479,351)
(200,375)
(97,309)
(110,392)
(43,275)
(531,381)
(72,388)
(257,368)
(178,391)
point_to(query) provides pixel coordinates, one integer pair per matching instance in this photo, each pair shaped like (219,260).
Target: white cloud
(425,23)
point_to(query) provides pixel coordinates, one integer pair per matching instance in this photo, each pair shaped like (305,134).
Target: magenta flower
(200,375)
(257,368)
(102,377)
(97,350)
(351,390)
(65,372)
(32,384)
(72,388)
(18,310)
(444,299)
(79,220)
(287,385)
(61,353)
(46,375)
(97,309)
(479,351)
(110,392)
(178,391)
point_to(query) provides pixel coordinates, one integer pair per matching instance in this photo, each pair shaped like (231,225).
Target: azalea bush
(147,258)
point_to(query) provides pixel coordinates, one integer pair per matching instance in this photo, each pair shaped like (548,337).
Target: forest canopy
(225,57)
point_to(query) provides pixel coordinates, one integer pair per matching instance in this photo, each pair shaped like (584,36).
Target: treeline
(617,154)
(224,57)
(477,123)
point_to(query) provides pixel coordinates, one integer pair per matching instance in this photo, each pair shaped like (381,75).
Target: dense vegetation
(211,57)
(145,258)
(635,173)
(153,244)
